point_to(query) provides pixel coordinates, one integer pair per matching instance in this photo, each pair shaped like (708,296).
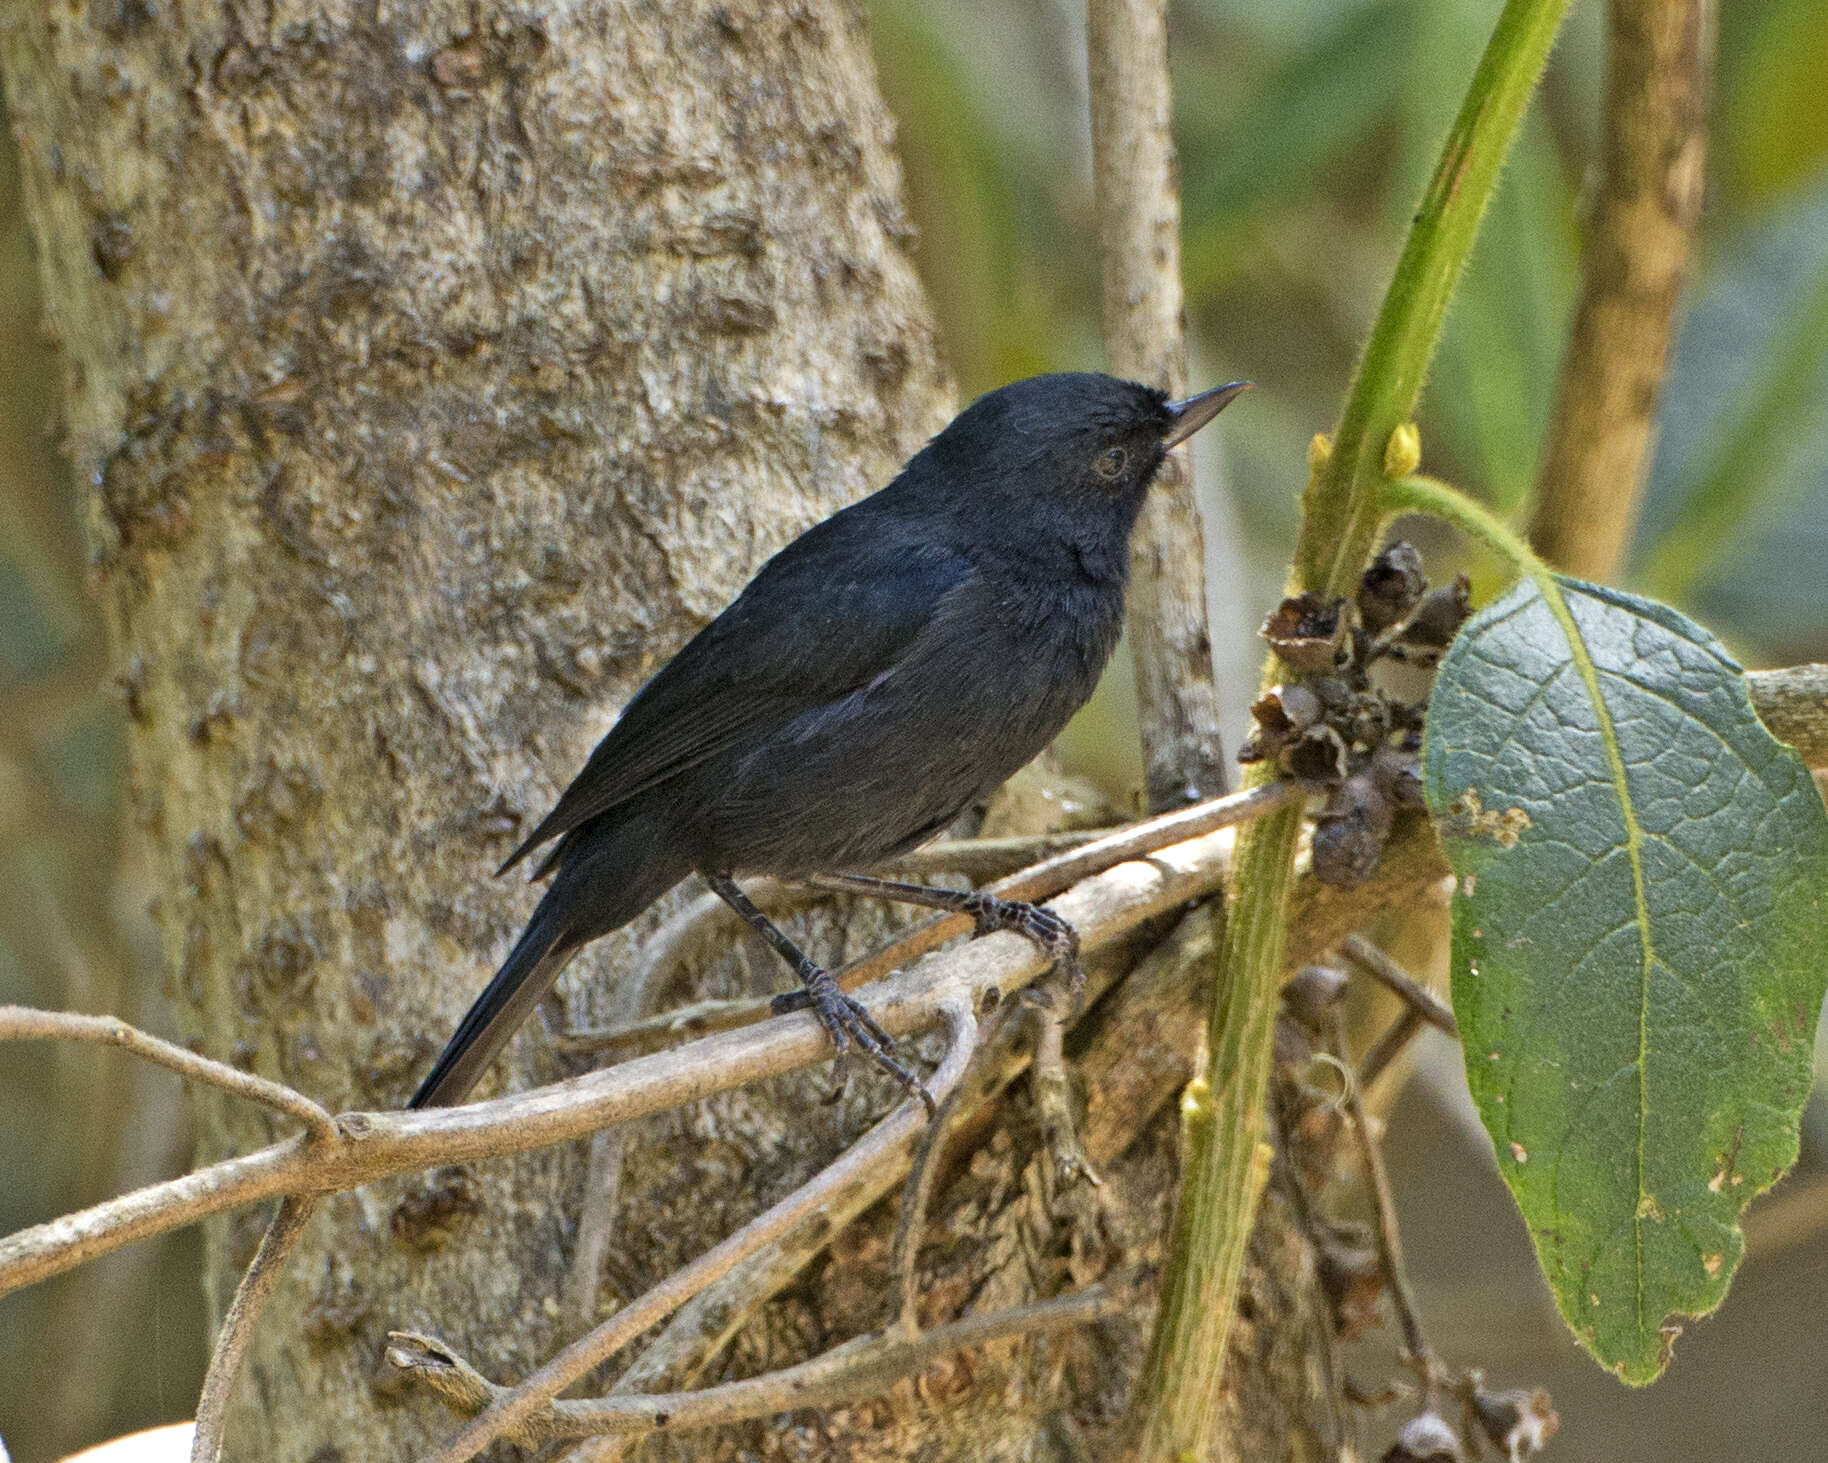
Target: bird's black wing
(825,617)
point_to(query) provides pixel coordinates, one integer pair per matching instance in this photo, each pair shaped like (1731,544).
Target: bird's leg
(1056,938)
(1060,942)
(844,1020)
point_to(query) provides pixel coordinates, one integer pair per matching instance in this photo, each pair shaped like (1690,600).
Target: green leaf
(1638,952)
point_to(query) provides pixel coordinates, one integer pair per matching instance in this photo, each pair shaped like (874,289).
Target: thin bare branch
(1041,881)
(22,1023)
(983,859)
(850,1373)
(510,1410)
(1413,994)
(1387,1048)
(237,1329)
(1383,1208)
(1053,1089)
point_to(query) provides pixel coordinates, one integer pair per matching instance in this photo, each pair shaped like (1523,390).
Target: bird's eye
(1110,462)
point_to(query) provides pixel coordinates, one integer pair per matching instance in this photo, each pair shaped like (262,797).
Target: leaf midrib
(1550,590)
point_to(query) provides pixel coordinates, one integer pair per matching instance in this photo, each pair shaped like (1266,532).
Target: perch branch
(380,1144)
(1038,882)
(509,1410)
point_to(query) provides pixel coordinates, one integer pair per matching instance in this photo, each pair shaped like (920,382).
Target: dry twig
(1383,1207)
(237,1330)
(849,1373)
(1417,997)
(22,1023)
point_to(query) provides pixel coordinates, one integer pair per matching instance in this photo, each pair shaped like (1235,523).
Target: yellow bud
(1320,451)
(1403,452)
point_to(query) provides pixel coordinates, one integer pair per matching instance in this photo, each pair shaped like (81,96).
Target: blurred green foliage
(1305,131)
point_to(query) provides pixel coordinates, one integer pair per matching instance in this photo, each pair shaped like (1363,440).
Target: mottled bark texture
(438,370)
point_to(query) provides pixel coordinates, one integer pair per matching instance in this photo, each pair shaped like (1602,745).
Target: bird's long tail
(543,950)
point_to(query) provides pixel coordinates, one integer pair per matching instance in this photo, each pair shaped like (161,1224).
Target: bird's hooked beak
(1188,416)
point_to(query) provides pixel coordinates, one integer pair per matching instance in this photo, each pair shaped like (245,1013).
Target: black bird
(886,669)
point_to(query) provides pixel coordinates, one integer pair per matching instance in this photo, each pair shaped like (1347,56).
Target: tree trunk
(437,376)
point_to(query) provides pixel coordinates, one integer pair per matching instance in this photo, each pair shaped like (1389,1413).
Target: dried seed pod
(1280,714)
(1349,836)
(1519,1422)
(1398,773)
(1437,620)
(1309,634)
(1390,586)
(1366,722)
(1425,1439)
(1317,755)
(1311,992)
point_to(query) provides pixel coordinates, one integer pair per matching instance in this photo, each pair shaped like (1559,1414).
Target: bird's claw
(851,1028)
(1057,939)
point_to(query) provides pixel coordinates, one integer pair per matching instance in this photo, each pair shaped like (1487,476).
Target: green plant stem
(1176,1404)
(1339,511)
(1420,493)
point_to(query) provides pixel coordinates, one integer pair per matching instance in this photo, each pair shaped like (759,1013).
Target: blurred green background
(1306,131)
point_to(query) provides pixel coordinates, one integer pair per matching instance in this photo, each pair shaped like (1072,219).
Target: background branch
(1652,174)
(1139,248)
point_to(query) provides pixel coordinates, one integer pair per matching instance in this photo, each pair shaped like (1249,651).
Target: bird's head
(1079,440)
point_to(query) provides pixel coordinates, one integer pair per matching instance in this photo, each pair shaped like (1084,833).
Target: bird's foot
(1058,940)
(850,1027)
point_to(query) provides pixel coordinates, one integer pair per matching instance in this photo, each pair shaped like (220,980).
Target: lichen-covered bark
(439,369)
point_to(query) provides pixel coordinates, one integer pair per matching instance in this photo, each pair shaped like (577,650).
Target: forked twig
(1416,996)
